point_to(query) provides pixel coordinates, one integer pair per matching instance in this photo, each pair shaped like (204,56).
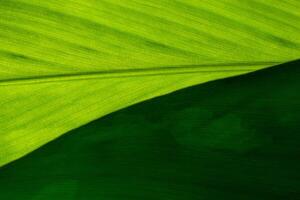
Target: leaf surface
(65,63)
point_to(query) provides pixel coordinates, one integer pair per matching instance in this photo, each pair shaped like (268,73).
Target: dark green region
(237,138)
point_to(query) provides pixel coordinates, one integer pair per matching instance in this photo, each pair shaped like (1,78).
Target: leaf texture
(67,62)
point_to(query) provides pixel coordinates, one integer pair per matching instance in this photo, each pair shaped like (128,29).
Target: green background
(236,138)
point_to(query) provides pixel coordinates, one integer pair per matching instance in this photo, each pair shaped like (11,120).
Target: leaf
(65,63)
(210,141)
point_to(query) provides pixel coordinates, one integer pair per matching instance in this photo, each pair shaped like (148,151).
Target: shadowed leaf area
(235,138)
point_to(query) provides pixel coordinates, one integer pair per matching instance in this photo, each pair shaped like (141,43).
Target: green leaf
(65,63)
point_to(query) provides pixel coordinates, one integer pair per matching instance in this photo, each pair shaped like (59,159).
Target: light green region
(64,63)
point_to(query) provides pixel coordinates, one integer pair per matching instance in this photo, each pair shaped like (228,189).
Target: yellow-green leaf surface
(64,63)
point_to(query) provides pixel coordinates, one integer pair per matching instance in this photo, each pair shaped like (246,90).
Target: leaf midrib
(137,72)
